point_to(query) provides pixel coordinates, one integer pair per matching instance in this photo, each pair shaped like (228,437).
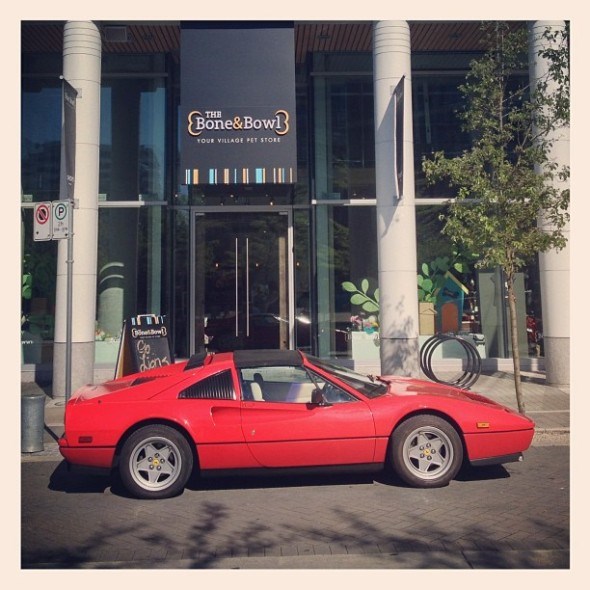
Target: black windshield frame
(367,385)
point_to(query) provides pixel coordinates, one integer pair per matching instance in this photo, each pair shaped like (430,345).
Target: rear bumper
(101,457)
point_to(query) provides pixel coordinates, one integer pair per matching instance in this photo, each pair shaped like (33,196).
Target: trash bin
(32,421)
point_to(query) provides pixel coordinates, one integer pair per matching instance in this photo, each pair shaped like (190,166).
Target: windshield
(368,385)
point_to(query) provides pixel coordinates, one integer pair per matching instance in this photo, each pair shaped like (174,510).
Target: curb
(467,559)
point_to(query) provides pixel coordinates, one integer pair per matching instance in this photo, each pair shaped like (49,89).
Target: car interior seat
(256,388)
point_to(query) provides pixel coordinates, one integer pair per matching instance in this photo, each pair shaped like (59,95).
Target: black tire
(156,462)
(426,451)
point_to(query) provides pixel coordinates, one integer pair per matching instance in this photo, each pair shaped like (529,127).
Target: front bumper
(512,458)
(492,448)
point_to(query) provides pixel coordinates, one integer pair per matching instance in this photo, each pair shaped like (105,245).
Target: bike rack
(473,366)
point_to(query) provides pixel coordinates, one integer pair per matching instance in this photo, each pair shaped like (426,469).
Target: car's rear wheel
(426,451)
(156,462)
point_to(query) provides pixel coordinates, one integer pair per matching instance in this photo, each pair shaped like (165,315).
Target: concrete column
(396,215)
(554,266)
(82,69)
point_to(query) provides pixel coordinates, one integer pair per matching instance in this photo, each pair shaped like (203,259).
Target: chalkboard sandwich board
(145,344)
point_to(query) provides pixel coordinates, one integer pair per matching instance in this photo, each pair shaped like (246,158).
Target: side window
(219,386)
(293,385)
(333,394)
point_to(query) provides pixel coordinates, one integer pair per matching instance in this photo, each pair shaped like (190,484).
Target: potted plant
(364,334)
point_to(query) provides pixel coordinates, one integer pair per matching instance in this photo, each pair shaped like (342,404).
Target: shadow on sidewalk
(85,480)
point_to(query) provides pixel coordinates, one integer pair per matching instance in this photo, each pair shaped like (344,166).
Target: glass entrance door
(242,295)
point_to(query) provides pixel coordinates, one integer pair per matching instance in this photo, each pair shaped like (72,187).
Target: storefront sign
(238,103)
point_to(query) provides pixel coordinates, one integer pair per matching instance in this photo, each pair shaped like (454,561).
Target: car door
(283,428)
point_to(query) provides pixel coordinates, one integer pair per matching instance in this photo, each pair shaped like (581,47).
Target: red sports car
(265,410)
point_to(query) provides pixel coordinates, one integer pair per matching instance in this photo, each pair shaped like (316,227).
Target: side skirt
(315,470)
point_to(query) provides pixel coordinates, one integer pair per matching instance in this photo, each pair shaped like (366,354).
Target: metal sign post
(62,228)
(55,221)
(69,275)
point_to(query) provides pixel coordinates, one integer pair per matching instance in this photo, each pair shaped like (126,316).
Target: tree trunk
(514,342)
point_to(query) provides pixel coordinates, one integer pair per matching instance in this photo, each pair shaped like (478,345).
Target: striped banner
(241,176)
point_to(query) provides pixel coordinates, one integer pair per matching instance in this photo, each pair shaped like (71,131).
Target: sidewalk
(547,405)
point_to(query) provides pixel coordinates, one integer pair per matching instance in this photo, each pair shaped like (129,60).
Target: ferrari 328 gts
(264,410)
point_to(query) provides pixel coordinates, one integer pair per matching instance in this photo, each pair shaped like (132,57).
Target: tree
(506,181)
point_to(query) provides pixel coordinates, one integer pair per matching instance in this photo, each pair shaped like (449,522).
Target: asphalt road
(512,516)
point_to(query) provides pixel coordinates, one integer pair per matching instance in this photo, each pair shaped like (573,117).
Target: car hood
(408,386)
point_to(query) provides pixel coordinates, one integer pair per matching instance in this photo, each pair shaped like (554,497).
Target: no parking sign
(43,221)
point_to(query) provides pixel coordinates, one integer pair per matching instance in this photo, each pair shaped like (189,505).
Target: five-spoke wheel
(426,451)
(156,462)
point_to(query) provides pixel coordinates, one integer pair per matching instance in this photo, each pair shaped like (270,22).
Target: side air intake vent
(141,380)
(218,386)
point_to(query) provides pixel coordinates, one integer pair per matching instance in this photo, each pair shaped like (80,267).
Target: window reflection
(132,139)
(40,139)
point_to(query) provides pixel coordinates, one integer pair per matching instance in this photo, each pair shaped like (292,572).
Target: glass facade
(132,271)
(436,100)
(148,245)
(40,155)
(133,139)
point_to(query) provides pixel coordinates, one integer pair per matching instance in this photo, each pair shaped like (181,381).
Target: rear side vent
(141,380)
(218,386)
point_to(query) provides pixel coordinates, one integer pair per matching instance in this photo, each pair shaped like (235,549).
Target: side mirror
(317,398)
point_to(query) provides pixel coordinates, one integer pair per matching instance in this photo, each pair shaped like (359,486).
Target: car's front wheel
(426,451)
(156,462)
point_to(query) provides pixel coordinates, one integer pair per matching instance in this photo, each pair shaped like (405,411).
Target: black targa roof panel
(267,358)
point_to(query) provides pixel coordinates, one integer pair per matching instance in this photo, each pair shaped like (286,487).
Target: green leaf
(370,306)
(364,285)
(27,286)
(427,285)
(348,286)
(358,299)
(425,269)
(376,294)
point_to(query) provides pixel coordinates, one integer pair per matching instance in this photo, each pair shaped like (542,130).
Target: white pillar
(82,69)
(396,214)
(554,266)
